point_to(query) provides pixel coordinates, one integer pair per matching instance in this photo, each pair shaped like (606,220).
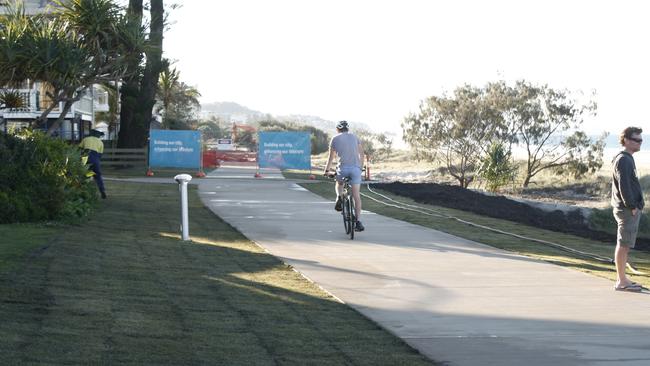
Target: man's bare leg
(620,259)
(356,195)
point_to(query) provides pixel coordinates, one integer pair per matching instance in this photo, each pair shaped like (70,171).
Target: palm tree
(166,85)
(42,48)
(11,99)
(84,42)
(177,100)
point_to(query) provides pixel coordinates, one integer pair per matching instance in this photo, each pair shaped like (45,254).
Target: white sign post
(182,180)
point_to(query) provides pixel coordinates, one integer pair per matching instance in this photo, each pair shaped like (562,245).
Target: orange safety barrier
(210,159)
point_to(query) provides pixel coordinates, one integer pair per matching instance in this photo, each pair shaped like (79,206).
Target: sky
(374,61)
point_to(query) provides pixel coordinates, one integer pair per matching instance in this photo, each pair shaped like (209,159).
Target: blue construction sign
(285,150)
(175,149)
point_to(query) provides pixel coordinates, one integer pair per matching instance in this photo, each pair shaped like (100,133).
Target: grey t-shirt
(346,146)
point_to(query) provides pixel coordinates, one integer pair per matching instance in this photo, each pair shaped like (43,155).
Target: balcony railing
(35,101)
(84,105)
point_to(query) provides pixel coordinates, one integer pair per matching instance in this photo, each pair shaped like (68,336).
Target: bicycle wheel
(346,215)
(353,217)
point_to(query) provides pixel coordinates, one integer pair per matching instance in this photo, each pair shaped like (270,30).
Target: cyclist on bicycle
(350,152)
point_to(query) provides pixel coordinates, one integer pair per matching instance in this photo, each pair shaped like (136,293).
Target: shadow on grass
(121,289)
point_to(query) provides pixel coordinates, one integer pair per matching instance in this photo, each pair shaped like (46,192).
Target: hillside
(227,110)
(224,108)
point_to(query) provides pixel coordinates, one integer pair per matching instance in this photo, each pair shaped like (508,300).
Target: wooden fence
(124,157)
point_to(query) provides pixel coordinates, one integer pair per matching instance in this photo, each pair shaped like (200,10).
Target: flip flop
(631,288)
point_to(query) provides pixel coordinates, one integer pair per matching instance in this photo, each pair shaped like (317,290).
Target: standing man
(94,147)
(350,152)
(627,201)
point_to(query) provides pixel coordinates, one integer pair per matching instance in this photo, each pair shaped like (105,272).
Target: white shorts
(353,172)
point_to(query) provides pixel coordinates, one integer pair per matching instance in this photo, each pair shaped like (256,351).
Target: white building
(32,6)
(35,101)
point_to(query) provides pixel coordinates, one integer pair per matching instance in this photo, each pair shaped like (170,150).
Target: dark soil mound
(502,208)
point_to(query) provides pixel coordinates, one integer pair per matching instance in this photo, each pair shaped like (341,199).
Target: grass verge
(641,260)
(121,288)
(141,172)
(19,240)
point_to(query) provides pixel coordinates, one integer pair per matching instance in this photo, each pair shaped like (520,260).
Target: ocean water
(612,147)
(641,158)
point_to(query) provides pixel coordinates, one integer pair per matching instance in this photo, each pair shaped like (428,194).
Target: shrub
(319,139)
(42,178)
(497,167)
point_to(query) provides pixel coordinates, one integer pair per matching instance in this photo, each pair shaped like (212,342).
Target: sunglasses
(635,140)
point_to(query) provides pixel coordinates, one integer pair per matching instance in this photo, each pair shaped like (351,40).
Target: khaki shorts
(628,226)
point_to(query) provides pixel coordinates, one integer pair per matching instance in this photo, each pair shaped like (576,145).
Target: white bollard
(182,180)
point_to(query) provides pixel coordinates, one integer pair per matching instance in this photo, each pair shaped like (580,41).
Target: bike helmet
(342,125)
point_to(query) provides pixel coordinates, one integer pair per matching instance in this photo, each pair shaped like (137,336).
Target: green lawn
(121,288)
(641,260)
(141,171)
(23,239)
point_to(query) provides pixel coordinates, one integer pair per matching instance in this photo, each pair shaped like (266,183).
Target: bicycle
(348,213)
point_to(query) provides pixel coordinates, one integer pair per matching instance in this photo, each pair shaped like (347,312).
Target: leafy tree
(454,130)
(271,125)
(386,146)
(545,122)
(319,139)
(210,129)
(545,118)
(584,156)
(497,167)
(247,139)
(376,146)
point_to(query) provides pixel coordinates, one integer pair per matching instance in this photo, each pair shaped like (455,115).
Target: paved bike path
(454,300)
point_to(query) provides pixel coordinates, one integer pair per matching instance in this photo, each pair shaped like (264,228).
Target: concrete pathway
(454,300)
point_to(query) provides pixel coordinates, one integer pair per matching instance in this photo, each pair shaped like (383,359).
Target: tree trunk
(71,97)
(139,94)
(149,85)
(42,119)
(129,134)
(66,108)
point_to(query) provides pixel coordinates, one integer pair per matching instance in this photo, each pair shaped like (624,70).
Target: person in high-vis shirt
(95,148)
